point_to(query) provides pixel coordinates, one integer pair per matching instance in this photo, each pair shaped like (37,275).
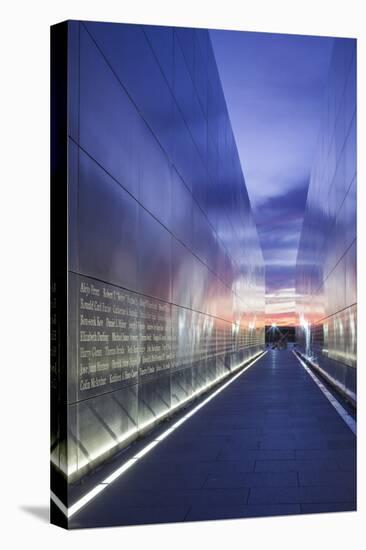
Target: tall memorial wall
(165,276)
(327,263)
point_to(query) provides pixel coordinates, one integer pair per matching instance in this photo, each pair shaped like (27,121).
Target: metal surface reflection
(166,272)
(326,263)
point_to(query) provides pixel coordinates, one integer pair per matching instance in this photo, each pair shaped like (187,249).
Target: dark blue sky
(274,86)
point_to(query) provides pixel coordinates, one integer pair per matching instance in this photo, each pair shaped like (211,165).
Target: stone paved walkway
(269,444)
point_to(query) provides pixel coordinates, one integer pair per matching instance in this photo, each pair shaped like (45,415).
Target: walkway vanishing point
(269,443)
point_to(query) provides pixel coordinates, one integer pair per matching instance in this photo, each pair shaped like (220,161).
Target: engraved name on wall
(122,336)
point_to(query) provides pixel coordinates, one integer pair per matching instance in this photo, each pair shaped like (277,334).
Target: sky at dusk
(274,86)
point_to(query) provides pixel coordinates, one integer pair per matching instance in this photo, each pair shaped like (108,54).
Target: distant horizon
(274,85)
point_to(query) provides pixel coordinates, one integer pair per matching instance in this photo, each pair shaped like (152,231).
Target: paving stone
(130,516)
(319,454)
(296,465)
(316,508)
(254,479)
(269,444)
(317,478)
(210,467)
(277,444)
(161,479)
(247,511)
(319,494)
(275,454)
(171,498)
(347,463)
(341,444)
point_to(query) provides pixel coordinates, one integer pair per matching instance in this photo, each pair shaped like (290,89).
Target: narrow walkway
(269,444)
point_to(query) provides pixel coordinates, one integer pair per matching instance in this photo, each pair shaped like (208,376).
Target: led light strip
(153,421)
(346,417)
(88,497)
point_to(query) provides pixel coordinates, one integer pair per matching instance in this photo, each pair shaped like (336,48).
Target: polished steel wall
(166,276)
(326,263)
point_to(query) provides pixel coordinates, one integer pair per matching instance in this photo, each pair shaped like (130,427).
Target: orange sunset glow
(281,307)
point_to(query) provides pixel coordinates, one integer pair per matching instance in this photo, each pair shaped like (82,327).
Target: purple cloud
(273,86)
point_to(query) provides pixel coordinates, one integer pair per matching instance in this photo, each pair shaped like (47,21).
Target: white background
(24,257)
